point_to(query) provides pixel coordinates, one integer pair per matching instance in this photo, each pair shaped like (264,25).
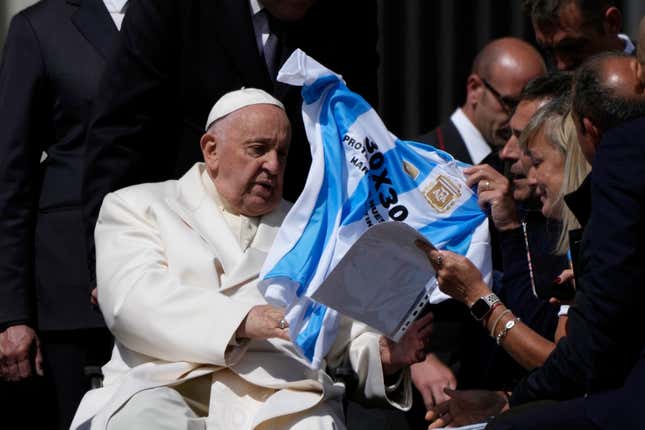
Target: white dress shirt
(477,147)
(117,10)
(630,49)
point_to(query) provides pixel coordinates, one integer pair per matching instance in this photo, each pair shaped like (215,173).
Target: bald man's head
(508,52)
(604,88)
(606,93)
(499,73)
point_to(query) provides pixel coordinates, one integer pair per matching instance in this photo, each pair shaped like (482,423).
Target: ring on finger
(438,261)
(283,324)
(487,186)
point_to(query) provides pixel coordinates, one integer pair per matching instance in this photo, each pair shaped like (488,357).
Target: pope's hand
(264,322)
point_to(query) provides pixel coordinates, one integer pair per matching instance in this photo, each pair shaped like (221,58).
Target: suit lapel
(93,21)
(200,212)
(231,19)
(454,143)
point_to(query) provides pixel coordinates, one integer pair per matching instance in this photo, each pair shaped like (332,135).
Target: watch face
(479,309)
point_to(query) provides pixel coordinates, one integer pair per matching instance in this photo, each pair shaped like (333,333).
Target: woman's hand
(456,275)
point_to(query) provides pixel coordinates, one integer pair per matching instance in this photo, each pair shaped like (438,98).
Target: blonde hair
(576,169)
(559,130)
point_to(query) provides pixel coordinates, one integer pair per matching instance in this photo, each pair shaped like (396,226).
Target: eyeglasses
(508,103)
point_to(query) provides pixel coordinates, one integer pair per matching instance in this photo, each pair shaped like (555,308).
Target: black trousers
(71,360)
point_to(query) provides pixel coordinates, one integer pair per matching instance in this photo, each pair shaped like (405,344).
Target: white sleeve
(146,306)
(358,345)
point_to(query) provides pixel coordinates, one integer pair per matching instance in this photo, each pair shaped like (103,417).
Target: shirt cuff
(395,386)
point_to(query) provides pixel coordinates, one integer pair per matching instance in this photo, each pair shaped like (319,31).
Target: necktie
(273,46)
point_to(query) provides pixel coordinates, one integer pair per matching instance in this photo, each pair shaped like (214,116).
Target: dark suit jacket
(53,57)
(615,409)
(447,138)
(604,330)
(177,57)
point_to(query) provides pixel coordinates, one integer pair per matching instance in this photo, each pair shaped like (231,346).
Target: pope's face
(248,158)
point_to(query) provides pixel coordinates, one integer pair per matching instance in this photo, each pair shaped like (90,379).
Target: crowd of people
(148,159)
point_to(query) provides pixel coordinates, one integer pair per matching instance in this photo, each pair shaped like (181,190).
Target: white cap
(238,99)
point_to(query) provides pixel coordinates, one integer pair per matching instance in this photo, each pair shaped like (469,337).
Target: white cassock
(176,276)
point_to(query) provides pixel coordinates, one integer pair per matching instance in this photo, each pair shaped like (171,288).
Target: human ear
(474,89)
(613,20)
(640,73)
(592,131)
(208,144)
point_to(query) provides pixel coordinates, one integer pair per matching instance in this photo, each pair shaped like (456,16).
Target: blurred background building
(426,48)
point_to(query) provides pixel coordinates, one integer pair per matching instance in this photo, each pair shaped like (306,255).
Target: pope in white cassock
(197,347)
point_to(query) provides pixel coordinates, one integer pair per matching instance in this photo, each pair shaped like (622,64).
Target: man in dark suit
(499,73)
(178,56)
(570,31)
(615,409)
(53,57)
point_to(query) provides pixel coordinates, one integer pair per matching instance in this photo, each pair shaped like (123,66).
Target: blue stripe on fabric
(308,337)
(457,231)
(311,93)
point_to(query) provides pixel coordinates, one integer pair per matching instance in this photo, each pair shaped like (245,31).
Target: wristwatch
(483,306)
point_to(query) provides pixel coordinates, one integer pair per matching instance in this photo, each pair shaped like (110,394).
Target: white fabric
(564,310)
(173,291)
(630,48)
(477,147)
(117,9)
(238,99)
(160,408)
